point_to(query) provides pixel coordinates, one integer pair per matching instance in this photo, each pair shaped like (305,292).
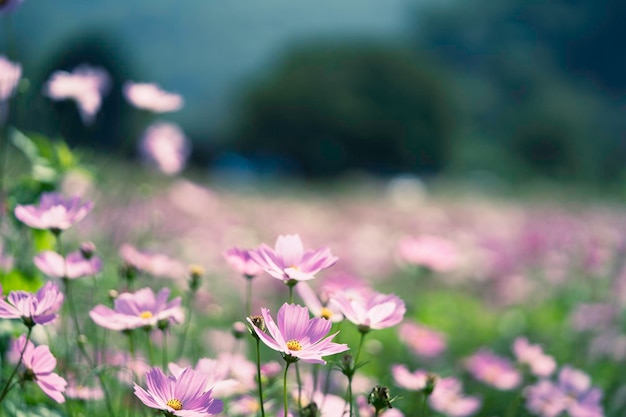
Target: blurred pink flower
(151,97)
(85,85)
(165,145)
(315,305)
(422,340)
(297,336)
(370,311)
(494,370)
(241,261)
(289,261)
(39,362)
(6,260)
(139,309)
(540,364)
(10,74)
(54,212)
(572,393)
(414,381)
(73,266)
(156,264)
(447,398)
(181,395)
(39,308)
(432,252)
(9,6)
(82,392)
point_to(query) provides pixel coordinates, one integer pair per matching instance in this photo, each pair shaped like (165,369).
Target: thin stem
(358,352)
(258,375)
(355,365)
(150,350)
(131,344)
(164,332)
(424,409)
(5,391)
(299,388)
(291,294)
(285,389)
(190,296)
(350,394)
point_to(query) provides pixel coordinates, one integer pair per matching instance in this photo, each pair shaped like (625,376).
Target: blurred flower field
(142,288)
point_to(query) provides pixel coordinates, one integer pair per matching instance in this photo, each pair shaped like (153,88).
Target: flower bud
(195,272)
(87,249)
(431,381)
(258,322)
(238,330)
(379,398)
(310,410)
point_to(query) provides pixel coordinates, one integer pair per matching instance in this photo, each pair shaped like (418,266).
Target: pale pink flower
(10,74)
(432,252)
(289,261)
(39,308)
(241,261)
(165,145)
(540,364)
(315,305)
(54,212)
(156,264)
(297,336)
(422,340)
(183,395)
(414,381)
(139,309)
(83,392)
(448,398)
(151,97)
(85,85)
(494,370)
(371,311)
(39,362)
(73,266)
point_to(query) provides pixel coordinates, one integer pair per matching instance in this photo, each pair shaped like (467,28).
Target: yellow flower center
(145,315)
(326,313)
(294,345)
(175,404)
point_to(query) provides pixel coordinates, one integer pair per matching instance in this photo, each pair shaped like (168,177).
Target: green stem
(258,375)
(190,296)
(358,352)
(350,394)
(150,350)
(299,388)
(286,405)
(291,294)
(165,362)
(5,391)
(355,365)
(424,410)
(131,344)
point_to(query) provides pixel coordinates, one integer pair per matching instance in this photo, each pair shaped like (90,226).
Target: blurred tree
(333,108)
(529,78)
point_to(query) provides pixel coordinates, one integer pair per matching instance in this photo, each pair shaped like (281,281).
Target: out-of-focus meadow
(467,157)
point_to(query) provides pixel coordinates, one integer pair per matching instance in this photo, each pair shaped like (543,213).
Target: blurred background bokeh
(502,92)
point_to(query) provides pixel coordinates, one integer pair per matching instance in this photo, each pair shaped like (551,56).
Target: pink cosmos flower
(289,261)
(540,364)
(572,393)
(39,363)
(182,395)
(494,370)
(447,398)
(151,97)
(6,260)
(54,212)
(85,85)
(139,309)
(241,261)
(432,252)
(156,264)
(371,311)
(422,340)
(73,266)
(414,381)
(39,308)
(314,304)
(10,74)
(297,336)
(9,6)
(165,145)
